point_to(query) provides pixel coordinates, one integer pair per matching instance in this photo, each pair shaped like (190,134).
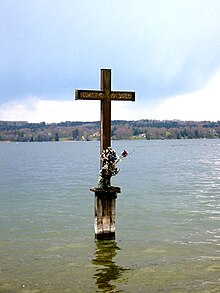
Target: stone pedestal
(105,205)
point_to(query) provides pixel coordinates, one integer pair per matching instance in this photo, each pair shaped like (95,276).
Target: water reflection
(106,269)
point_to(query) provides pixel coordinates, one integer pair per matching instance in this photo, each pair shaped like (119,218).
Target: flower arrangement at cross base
(109,159)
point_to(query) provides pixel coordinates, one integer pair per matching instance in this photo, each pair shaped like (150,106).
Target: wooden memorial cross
(105,200)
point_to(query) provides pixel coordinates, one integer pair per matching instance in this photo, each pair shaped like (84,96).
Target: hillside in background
(22,131)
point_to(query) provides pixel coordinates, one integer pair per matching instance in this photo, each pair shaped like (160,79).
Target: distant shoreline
(22,131)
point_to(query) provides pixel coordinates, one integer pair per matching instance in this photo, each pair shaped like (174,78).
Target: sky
(167,52)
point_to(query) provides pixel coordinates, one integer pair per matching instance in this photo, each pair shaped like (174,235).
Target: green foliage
(56,137)
(75,133)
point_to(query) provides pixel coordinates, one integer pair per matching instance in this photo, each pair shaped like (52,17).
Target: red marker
(124,154)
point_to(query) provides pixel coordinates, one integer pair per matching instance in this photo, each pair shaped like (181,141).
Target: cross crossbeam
(105,95)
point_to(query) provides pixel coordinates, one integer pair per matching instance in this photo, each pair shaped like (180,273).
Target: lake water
(167,218)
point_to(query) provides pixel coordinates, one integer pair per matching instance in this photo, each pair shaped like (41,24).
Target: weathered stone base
(105,203)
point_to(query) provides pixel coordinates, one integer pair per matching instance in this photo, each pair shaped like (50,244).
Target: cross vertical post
(105,121)
(105,199)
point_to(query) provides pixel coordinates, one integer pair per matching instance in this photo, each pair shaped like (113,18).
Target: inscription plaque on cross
(105,95)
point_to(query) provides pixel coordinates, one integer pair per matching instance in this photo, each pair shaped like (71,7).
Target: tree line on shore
(22,131)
